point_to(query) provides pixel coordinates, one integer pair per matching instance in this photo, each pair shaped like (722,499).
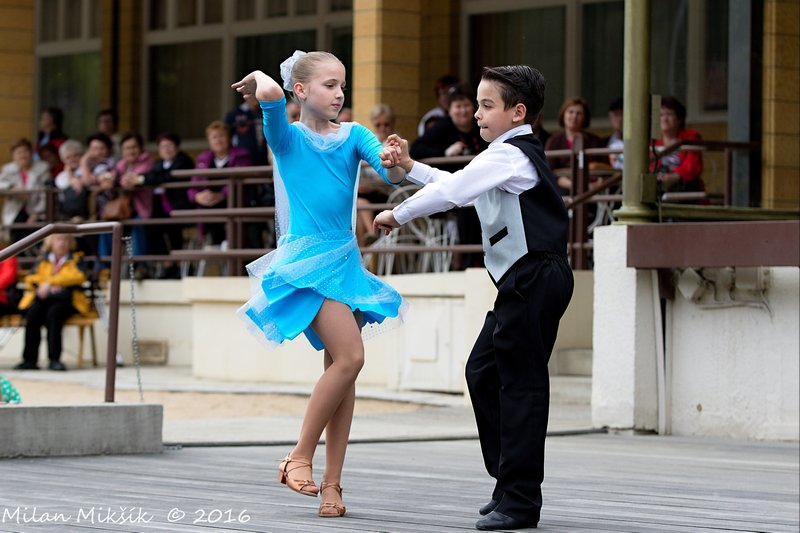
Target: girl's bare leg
(337,433)
(334,393)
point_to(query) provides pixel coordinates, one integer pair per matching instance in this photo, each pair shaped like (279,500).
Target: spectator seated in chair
(220,154)
(23,174)
(54,293)
(679,171)
(164,239)
(575,117)
(457,134)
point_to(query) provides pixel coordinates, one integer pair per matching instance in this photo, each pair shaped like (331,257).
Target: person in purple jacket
(219,155)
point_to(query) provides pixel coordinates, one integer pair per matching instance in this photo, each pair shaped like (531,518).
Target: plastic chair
(422,231)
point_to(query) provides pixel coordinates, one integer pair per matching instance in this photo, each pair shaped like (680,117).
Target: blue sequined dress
(317,256)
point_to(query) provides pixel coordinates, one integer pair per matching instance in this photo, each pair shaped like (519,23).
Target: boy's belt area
(530,257)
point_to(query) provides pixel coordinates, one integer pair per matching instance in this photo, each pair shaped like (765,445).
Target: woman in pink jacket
(220,154)
(128,177)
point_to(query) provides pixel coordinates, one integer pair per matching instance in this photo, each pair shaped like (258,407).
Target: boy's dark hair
(615,104)
(519,84)
(102,137)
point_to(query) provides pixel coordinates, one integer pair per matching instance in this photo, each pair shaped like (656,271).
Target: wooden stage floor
(594,483)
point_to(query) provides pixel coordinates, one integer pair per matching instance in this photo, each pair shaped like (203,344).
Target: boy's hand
(384,222)
(400,148)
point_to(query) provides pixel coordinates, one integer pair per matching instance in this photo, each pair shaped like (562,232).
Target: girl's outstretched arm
(259,86)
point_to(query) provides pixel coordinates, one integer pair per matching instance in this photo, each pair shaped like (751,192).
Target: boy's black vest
(515,225)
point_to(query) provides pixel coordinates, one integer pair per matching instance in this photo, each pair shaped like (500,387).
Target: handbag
(118,208)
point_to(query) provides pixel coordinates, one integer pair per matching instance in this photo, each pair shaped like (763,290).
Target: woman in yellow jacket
(53,294)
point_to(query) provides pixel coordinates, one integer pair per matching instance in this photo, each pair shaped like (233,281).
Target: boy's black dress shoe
(489,507)
(57,365)
(496,520)
(25,365)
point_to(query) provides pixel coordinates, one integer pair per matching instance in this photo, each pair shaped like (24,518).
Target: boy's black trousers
(508,380)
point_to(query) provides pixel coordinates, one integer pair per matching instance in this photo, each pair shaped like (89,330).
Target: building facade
(168,64)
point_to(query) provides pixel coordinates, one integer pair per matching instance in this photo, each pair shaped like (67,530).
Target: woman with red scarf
(678,171)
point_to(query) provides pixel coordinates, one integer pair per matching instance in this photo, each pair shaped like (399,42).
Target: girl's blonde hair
(305,66)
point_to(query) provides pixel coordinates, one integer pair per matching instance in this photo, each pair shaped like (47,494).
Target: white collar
(524,129)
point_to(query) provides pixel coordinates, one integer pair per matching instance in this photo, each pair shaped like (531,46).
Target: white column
(624,390)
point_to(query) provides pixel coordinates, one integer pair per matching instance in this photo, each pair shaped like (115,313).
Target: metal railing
(588,186)
(586,190)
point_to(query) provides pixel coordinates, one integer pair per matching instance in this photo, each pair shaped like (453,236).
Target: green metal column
(636,117)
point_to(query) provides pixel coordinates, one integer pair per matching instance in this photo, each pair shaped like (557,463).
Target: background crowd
(112,175)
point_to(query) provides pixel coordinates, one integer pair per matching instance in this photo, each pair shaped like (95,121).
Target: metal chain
(134,333)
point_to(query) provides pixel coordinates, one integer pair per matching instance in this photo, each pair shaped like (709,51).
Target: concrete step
(573,362)
(574,390)
(88,429)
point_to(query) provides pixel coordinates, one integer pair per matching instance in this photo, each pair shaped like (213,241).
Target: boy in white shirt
(525,232)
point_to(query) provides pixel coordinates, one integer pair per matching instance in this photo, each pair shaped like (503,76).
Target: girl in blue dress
(314,282)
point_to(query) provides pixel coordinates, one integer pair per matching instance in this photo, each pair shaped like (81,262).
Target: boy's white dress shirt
(501,165)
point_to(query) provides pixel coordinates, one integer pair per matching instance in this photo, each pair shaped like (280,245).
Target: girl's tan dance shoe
(331,509)
(303,486)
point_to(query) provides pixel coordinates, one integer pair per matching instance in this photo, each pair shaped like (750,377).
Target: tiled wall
(781,112)
(399,50)
(17,93)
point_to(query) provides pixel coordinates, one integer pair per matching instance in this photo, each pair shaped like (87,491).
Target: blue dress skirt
(289,284)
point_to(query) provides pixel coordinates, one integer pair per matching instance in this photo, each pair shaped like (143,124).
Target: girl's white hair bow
(286,69)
